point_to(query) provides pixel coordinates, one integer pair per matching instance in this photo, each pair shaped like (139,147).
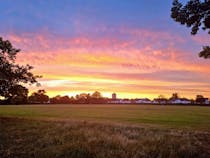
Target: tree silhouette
(174,96)
(96,94)
(12,75)
(38,97)
(55,100)
(195,14)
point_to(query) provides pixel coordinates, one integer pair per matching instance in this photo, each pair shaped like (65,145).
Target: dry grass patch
(30,138)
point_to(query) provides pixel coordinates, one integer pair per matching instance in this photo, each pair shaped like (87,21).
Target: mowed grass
(104,131)
(196,117)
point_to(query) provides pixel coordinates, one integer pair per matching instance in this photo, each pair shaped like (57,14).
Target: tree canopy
(96,94)
(39,97)
(12,75)
(195,14)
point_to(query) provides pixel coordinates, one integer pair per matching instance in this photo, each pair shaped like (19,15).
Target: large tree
(195,14)
(13,75)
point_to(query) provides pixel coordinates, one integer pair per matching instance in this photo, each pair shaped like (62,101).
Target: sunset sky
(131,47)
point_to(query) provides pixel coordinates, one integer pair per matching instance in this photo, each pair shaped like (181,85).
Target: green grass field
(197,117)
(104,131)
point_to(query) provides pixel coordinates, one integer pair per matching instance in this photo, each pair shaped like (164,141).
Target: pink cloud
(109,59)
(88,52)
(202,39)
(134,38)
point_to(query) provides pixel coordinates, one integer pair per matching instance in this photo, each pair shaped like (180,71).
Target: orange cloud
(144,63)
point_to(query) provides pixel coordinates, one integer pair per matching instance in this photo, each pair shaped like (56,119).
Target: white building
(120,101)
(206,101)
(180,101)
(142,101)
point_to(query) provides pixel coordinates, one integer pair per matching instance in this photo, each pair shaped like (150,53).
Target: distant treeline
(40,97)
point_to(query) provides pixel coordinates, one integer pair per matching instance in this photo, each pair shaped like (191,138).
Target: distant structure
(114,96)
(201,100)
(161,100)
(142,101)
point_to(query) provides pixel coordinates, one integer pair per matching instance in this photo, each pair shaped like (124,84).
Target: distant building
(142,101)
(114,96)
(180,101)
(126,101)
(160,101)
(120,101)
(201,100)
(206,100)
(115,101)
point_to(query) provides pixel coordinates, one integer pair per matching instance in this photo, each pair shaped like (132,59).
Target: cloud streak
(131,61)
